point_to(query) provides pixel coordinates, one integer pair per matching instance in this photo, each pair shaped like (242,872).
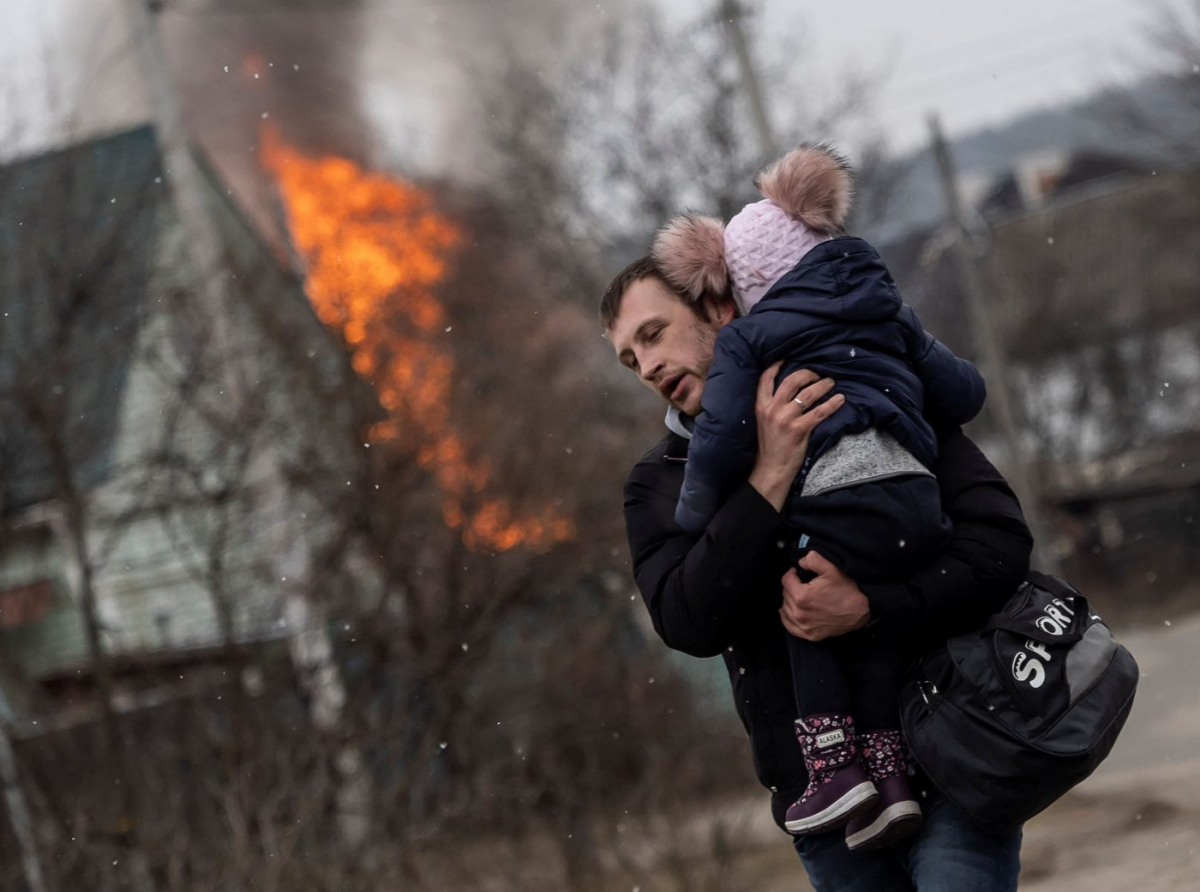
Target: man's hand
(830,605)
(787,416)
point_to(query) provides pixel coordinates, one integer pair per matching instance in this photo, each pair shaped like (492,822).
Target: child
(865,497)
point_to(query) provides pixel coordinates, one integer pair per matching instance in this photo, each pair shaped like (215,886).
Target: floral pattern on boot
(820,768)
(896,813)
(884,754)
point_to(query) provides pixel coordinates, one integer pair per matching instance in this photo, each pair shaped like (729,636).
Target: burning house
(142,499)
(180,484)
(161,465)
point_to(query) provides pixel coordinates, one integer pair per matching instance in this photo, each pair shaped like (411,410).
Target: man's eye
(653,335)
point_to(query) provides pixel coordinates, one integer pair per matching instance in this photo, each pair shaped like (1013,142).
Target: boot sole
(857,800)
(894,823)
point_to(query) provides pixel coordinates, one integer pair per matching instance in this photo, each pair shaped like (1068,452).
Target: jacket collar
(678,423)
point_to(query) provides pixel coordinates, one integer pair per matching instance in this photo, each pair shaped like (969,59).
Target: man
(720,593)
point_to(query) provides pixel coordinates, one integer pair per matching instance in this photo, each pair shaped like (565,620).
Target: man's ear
(724,310)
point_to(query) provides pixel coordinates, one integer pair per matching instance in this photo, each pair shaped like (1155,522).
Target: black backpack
(1005,720)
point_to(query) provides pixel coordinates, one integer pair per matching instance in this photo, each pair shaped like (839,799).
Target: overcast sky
(976,63)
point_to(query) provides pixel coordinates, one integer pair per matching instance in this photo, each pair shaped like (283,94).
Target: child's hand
(832,604)
(787,415)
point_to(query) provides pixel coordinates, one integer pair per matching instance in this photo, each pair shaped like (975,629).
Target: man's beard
(704,339)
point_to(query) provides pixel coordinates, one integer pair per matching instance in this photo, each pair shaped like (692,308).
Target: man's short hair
(642,268)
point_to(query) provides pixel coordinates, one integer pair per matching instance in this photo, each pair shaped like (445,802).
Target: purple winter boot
(838,788)
(896,813)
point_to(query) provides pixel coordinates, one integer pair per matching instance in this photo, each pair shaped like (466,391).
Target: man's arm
(698,589)
(987,558)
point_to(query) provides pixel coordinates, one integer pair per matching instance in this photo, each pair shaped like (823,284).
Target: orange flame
(375,247)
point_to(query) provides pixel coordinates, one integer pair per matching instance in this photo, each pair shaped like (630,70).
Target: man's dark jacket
(720,593)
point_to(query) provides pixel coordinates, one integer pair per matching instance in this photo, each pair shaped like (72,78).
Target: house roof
(1109,255)
(77,235)
(78,240)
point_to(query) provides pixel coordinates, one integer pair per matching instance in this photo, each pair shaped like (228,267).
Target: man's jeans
(948,854)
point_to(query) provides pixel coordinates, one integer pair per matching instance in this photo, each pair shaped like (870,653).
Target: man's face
(658,337)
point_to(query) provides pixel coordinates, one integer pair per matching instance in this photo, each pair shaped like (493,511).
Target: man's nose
(651,367)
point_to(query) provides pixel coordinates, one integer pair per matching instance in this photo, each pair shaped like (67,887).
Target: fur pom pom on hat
(690,251)
(807,197)
(813,185)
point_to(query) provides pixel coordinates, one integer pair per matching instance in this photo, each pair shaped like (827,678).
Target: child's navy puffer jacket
(839,314)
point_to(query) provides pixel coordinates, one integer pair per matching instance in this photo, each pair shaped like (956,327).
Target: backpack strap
(1005,623)
(1055,586)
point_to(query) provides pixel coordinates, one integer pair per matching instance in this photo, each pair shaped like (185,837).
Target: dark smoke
(391,84)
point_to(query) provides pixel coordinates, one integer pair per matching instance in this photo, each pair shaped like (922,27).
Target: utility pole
(990,351)
(731,13)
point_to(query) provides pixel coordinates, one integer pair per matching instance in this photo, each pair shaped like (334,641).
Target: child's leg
(881,528)
(838,787)
(873,669)
(819,683)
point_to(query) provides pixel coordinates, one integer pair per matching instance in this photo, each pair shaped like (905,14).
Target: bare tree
(652,119)
(1162,112)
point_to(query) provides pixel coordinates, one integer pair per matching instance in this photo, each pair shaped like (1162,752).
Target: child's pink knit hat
(761,244)
(807,197)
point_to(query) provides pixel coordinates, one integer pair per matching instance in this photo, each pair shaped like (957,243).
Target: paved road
(1135,824)
(1165,723)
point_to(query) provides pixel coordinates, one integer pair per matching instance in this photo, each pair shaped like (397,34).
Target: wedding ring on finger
(799,402)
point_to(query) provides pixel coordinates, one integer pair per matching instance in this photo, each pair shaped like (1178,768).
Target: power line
(992,39)
(961,84)
(1045,54)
